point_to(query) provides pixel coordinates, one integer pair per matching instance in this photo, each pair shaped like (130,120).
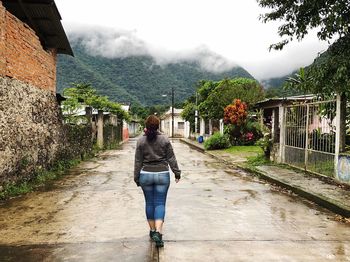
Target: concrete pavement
(215,213)
(321,190)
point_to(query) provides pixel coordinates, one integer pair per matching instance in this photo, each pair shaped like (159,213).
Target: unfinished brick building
(31,36)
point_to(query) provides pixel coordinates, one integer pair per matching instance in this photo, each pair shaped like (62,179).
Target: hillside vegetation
(135,79)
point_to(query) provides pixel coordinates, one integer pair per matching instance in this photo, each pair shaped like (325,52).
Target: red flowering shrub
(236,113)
(241,130)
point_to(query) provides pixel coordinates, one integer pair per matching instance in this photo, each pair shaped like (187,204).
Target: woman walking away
(154,154)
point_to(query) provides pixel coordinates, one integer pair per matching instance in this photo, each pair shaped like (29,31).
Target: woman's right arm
(172,161)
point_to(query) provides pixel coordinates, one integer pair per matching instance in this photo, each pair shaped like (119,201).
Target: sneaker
(157,237)
(151,233)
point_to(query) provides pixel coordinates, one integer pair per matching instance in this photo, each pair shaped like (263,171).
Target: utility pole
(196,116)
(172,111)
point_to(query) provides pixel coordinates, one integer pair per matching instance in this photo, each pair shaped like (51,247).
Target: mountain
(275,86)
(135,79)
(276,82)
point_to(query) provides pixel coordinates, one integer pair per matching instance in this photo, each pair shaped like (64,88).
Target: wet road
(214,214)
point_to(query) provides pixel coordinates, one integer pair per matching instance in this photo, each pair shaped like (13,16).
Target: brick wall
(26,60)
(2,40)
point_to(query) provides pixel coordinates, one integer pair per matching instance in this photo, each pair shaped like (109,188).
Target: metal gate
(310,133)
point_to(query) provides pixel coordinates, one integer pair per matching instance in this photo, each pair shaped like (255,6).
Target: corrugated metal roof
(275,101)
(43,17)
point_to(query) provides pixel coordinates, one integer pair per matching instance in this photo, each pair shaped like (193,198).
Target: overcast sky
(229,28)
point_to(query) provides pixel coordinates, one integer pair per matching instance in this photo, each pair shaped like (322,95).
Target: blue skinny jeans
(155,187)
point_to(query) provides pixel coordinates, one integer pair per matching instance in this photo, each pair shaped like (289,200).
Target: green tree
(330,73)
(203,90)
(188,113)
(225,92)
(329,17)
(83,94)
(80,91)
(300,81)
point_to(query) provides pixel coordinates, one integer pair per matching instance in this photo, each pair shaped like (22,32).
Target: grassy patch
(258,160)
(244,151)
(40,177)
(247,149)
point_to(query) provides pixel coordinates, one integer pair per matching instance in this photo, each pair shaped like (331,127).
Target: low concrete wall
(112,135)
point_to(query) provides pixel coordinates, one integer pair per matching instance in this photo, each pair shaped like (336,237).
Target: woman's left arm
(138,163)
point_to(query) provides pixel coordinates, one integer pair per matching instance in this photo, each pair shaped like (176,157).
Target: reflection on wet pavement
(214,214)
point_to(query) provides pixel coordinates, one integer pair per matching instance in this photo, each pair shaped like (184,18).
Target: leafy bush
(251,132)
(266,144)
(217,141)
(246,134)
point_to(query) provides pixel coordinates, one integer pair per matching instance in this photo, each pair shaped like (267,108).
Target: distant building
(125,131)
(181,127)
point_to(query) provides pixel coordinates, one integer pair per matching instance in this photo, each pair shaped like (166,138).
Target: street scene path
(215,213)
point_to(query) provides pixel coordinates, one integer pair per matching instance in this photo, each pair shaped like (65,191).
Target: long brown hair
(152,126)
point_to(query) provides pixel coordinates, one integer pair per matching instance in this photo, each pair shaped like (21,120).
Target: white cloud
(168,29)
(111,43)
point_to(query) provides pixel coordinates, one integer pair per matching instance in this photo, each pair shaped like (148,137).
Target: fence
(310,136)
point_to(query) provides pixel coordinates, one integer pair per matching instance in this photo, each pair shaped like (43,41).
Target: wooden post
(261,117)
(100,129)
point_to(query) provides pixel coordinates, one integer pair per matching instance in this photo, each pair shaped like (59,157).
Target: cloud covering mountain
(126,69)
(112,43)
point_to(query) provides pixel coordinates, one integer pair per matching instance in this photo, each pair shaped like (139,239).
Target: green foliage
(300,81)
(281,91)
(258,160)
(243,150)
(140,113)
(217,141)
(329,18)
(84,93)
(71,107)
(251,132)
(330,72)
(241,130)
(265,142)
(245,134)
(188,112)
(220,94)
(135,80)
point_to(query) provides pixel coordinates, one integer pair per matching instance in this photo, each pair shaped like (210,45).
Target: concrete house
(31,131)
(181,127)
(307,133)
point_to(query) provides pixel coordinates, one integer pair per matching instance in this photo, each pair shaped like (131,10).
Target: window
(180,125)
